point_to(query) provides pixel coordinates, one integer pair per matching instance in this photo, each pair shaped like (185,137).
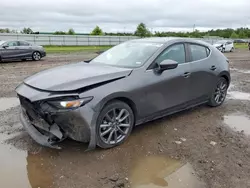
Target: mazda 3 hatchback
(100,102)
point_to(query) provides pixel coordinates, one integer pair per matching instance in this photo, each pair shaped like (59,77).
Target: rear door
(25,49)
(203,73)
(11,50)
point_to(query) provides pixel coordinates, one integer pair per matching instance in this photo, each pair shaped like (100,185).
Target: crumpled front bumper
(44,140)
(48,126)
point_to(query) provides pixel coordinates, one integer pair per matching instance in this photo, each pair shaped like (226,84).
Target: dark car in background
(240,41)
(20,50)
(100,102)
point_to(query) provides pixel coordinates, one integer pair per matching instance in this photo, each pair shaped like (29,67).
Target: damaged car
(100,102)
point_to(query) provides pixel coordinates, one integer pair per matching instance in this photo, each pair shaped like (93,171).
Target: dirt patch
(219,155)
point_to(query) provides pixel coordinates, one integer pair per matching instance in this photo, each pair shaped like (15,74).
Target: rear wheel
(219,94)
(114,124)
(36,56)
(232,50)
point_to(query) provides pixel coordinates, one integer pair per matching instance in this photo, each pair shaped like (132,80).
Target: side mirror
(167,64)
(5,46)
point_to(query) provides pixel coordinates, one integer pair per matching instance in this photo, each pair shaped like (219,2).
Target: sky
(124,15)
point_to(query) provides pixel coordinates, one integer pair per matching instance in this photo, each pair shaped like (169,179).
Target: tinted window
(175,52)
(12,43)
(198,52)
(22,43)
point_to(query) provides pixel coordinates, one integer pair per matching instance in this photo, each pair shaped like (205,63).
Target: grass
(241,45)
(68,49)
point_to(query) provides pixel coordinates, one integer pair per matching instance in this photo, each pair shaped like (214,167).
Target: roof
(164,40)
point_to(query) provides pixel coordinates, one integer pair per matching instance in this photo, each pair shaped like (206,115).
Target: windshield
(128,54)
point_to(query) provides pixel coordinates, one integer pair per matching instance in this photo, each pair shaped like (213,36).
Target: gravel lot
(201,147)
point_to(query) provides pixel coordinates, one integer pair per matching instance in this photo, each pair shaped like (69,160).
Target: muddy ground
(201,147)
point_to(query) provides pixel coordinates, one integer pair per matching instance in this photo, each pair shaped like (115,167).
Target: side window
(12,43)
(23,43)
(175,52)
(198,52)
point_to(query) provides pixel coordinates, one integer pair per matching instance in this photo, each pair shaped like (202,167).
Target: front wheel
(36,56)
(232,50)
(219,94)
(114,124)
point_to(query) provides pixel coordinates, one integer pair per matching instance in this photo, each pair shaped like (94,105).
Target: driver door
(168,91)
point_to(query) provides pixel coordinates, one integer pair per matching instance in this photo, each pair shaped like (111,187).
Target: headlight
(67,104)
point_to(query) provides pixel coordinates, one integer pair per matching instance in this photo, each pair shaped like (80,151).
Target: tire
(111,132)
(219,94)
(223,50)
(36,56)
(232,50)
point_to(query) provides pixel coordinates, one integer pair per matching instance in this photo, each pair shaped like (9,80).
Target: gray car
(137,81)
(20,50)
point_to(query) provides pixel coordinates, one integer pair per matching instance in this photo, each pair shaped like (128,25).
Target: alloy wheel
(36,56)
(115,125)
(220,92)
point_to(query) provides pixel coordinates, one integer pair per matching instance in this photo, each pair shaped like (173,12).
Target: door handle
(186,74)
(213,68)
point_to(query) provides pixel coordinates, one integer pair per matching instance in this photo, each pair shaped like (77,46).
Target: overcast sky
(124,15)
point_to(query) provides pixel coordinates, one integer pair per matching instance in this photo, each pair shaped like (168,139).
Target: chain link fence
(78,40)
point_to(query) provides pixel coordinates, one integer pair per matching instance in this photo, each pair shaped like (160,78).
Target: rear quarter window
(198,52)
(23,43)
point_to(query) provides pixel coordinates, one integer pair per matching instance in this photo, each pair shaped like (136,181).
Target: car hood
(75,76)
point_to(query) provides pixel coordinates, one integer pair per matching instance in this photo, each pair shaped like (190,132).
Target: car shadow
(19,61)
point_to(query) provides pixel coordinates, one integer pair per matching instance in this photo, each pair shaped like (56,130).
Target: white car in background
(225,45)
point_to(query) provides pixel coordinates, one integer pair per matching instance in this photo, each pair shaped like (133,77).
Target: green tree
(242,34)
(97,31)
(27,30)
(71,32)
(234,35)
(59,33)
(142,31)
(6,30)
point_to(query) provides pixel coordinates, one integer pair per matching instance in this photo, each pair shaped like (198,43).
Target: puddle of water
(238,95)
(241,71)
(7,103)
(238,122)
(159,172)
(22,169)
